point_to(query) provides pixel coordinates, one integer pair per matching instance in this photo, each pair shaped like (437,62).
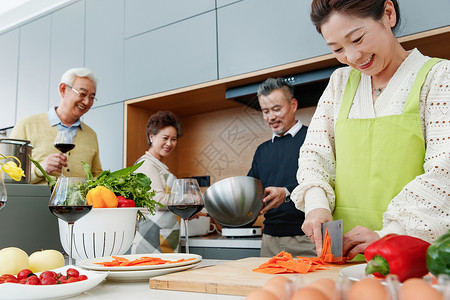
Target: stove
(241,231)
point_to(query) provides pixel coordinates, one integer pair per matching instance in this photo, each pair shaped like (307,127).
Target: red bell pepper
(402,255)
(124,202)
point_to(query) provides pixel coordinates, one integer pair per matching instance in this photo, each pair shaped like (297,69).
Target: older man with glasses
(77,89)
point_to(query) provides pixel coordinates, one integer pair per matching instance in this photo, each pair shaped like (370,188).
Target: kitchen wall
(141,47)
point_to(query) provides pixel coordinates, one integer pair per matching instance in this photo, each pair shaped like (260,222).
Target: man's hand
(357,240)
(312,227)
(275,195)
(54,163)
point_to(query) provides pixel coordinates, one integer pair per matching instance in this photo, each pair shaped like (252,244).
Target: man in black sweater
(275,163)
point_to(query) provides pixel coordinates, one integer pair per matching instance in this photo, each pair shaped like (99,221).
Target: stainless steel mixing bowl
(234,201)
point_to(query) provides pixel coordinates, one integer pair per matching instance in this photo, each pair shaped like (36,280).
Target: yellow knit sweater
(41,134)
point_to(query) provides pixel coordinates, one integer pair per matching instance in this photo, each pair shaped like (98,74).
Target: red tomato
(12,280)
(47,274)
(49,281)
(6,276)
(72,272)
(82,277)
(24,274)
(71,279)
(33,280)
(62,279)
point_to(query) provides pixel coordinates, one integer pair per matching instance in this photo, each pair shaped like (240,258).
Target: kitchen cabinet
(67,45)
(180,54)
(422,15)
(110,145)
(26,221)
(255,35)
(220,135)
(104,49)
(33,94)
(8,76)
(143,15)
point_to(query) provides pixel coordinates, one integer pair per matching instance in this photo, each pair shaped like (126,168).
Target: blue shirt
(56,121)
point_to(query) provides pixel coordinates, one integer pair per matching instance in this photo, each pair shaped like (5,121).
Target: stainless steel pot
(235,201)
(20,149)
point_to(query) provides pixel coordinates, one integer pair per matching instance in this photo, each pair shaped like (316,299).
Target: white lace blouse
(422,208)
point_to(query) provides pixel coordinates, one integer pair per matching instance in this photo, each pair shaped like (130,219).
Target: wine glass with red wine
(185,201)
(68,202)
(64,142)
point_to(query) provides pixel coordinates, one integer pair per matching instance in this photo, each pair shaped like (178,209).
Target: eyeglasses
(82,95)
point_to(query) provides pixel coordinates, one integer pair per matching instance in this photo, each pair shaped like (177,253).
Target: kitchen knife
(335,232)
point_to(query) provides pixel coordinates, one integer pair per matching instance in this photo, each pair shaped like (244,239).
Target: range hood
(308,86)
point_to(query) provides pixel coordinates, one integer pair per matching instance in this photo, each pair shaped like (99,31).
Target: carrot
(120,258)
(326,251)
(142,261)
(283,262)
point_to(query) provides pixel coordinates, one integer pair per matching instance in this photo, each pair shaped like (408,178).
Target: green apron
(376,158)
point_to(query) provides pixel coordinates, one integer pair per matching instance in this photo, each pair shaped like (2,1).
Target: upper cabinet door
(171,57)
(67,45)
(419,15)
(104,48)
(34,67)
(144,15)
(255,34)
(8,77)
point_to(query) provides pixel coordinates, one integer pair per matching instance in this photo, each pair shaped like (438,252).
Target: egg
(280,286)
(261,294)
(416,288)
(368,289)
(325,285)
(309,293)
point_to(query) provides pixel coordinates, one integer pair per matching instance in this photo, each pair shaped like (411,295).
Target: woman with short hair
(160,232)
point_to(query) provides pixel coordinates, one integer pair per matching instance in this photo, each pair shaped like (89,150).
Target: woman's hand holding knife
(312,227)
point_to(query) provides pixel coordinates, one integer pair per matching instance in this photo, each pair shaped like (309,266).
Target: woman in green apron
(159,233)
(377,153)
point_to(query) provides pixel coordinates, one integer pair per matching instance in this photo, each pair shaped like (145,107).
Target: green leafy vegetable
(51,182)
(76,195)
(134,186)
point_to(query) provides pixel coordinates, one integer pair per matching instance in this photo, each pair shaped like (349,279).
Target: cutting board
(231,278)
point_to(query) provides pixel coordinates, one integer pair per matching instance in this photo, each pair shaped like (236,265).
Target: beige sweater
(157,171)
(41,134)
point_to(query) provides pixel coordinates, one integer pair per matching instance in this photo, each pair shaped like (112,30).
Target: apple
(12,260)
(45,260)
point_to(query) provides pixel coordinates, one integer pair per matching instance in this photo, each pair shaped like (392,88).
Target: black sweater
(276,164)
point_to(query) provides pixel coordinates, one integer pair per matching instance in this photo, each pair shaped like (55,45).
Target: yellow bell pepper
(101,197)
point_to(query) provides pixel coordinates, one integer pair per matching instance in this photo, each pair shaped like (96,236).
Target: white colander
(102,232)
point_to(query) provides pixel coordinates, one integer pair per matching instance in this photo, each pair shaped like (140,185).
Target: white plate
(355,273)
(14,291)
(90,263)
(144,275)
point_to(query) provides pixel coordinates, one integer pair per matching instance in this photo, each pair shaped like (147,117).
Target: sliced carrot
(296,266)
(118,258)
(142,261)
(181,260)
(283,262)
(326,251)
